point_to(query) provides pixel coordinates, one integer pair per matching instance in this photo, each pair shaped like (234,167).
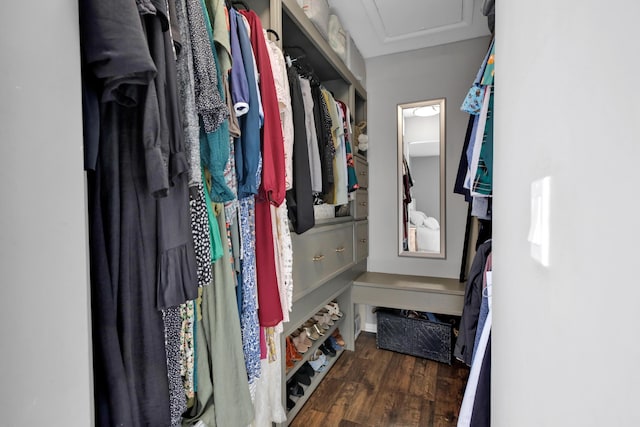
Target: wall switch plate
(540,218)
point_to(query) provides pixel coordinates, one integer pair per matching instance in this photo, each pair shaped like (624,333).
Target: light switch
(540,218)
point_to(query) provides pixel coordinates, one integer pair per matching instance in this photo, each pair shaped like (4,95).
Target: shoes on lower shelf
(338,337)
(327,349)
(334,309)
(302,378)
(307,369)
(318,361)
(334,344)
(294,389)
(290,403)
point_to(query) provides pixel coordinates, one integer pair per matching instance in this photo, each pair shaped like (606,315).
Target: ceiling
(381,27)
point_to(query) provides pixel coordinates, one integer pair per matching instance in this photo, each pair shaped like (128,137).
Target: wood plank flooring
(370,387)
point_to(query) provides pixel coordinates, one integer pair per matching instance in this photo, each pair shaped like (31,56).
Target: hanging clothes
(352,177)
(476,408)
(325,141)
(273,171)
(247,146)
(272,183)
(284,104)
(214,145)
(312,137)
(149,266)
(268,402)
(172,332)
(280,225)
(483,181)
(186,83)
(300,197)
(223,392)
(209,102)
(249,314)
(464,346)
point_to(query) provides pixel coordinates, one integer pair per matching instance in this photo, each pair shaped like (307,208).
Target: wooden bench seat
(421,293)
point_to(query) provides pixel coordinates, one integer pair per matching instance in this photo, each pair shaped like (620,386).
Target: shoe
(307,369)
(299,345)
(318,329)
(311,332)
(330,310)
(302,378)
(304,337)
(329,345)
(328,317)
(294,389)
(338,337)
(334,308)
(337,347)
(290,404)
(318,361)
(292,350)
(327,350)
(322,322)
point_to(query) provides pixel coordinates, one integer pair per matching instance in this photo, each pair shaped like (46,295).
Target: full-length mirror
(421,179)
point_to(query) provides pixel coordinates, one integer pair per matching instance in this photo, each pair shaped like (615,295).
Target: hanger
(269,30)
(241,3)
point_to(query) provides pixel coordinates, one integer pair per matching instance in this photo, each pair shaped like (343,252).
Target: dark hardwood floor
(370,387)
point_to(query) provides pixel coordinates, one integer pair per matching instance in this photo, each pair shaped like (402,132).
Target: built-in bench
(420,293)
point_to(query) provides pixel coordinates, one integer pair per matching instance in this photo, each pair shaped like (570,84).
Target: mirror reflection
(421,158)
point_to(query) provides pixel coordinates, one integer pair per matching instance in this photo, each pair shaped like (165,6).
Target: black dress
(142,256)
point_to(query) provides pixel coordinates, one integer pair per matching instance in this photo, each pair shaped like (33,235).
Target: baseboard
(370,327)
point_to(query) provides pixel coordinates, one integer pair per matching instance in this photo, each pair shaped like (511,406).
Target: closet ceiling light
(428,111)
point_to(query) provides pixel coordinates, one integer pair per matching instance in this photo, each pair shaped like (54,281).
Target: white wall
(443,71)
(45,373)
(565,338)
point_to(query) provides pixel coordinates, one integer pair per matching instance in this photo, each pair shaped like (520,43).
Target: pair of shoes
(323,320)
(292,348)
(313,330)
(290,403)
(318,361)
(327,349)
(292,354)
(338,337)
(307,369)
(301,341)
(334,309)
(301,378)
(294,389)
(334,343)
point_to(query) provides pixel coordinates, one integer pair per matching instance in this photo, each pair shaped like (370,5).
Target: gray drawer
(362,171)
(361,240)
(361,205)
(320,254)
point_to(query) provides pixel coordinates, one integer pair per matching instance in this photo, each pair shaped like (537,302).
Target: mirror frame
(442,220)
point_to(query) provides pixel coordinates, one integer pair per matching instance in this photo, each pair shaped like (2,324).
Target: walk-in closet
(214,213)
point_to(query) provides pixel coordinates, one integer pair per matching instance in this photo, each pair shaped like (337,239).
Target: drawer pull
(341,249)
(363,203)
(363,173)
(318,258)
(363,240)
